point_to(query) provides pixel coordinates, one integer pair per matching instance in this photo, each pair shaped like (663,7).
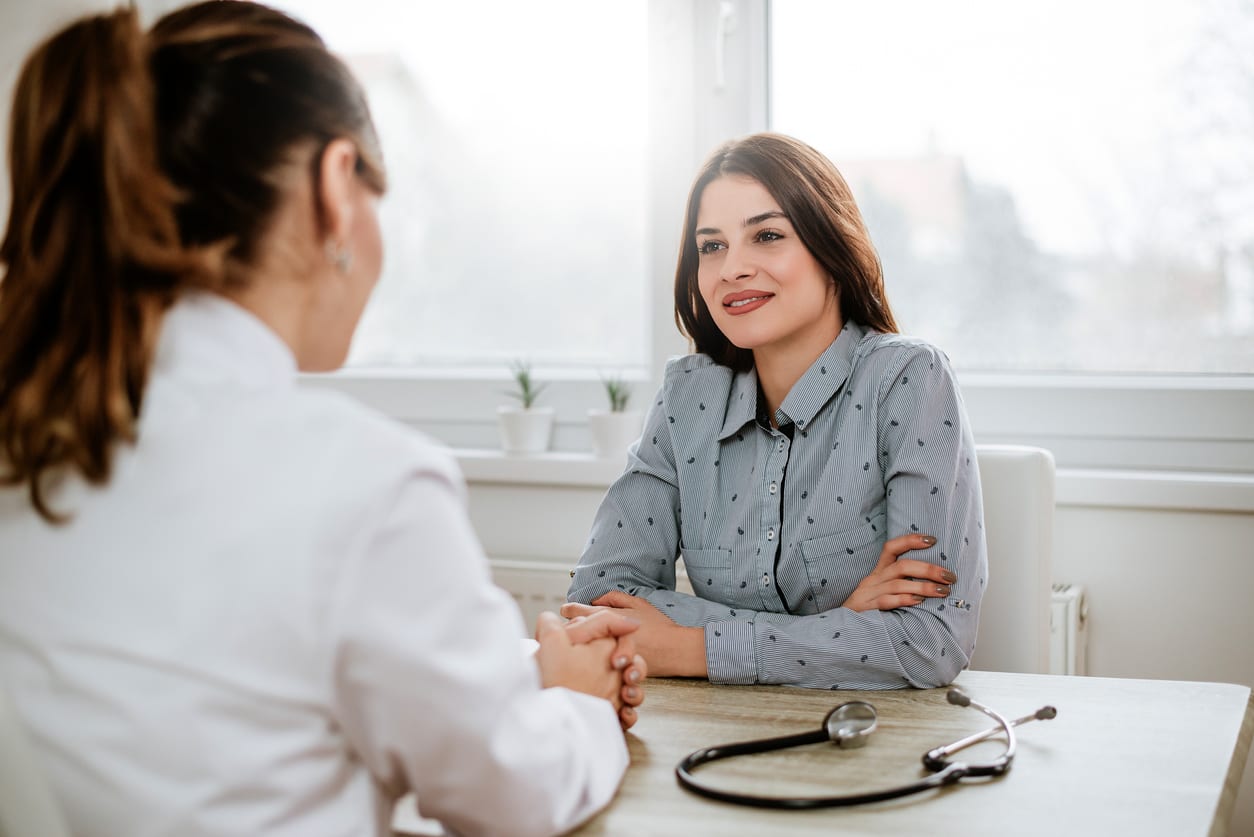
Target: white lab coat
(275,619)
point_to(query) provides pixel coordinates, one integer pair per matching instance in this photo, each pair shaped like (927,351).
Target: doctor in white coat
(229,605)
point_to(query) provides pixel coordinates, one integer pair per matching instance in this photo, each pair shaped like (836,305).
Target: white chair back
(27,806)
(1018,488)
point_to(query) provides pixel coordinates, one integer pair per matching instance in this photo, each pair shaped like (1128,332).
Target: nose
(735,265)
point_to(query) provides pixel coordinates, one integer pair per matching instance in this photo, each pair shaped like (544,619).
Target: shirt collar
(207,337)
(808,396)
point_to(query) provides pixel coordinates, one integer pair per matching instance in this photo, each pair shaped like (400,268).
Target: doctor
(229,605)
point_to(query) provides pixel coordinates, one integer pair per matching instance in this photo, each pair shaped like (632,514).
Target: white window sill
(1157,490)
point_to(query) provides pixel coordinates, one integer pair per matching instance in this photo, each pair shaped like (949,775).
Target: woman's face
(763,288)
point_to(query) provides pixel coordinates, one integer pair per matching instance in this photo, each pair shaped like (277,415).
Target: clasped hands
(596,655)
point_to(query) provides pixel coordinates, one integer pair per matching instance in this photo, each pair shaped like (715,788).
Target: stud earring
(339,256)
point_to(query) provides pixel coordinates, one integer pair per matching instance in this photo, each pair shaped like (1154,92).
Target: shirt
(275,619)
(776,527)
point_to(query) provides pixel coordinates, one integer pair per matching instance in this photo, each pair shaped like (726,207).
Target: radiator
(1068,630)
(541,585)
(536,586)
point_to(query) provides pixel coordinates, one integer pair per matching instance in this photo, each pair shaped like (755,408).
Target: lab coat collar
(207,337)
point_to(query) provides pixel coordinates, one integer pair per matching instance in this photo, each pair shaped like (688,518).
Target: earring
(339,256)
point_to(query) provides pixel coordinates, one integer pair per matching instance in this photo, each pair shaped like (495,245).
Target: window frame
(709,68)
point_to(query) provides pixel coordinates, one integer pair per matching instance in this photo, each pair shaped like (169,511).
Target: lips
(742,302)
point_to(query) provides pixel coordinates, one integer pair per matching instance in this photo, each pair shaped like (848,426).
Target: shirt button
(770,534)
(766,579)
(774,488)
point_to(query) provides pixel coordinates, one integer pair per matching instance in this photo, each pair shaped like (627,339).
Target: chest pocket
(710,572)
(836,563)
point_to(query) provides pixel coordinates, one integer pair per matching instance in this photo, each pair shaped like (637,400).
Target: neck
(282,304)
(780,367)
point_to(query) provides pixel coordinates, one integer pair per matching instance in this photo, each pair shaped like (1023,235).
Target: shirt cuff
(729,653)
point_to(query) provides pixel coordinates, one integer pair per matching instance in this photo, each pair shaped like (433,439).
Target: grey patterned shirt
(776,527)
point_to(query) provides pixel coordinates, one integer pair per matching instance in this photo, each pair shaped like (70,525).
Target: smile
(743,303)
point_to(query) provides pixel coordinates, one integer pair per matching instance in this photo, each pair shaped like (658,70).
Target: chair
(1018,489)
(27,806)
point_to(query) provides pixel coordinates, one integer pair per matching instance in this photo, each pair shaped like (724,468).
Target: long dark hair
(817,201)
(141,166)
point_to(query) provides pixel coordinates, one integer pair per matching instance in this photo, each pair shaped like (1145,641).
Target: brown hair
(820,206)
(142,166)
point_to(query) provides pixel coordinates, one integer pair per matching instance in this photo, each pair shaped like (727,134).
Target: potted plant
(613,430)
(525,428)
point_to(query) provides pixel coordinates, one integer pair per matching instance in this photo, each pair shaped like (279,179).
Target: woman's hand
(900,582)
(587,667)
(672,650)
(613,624)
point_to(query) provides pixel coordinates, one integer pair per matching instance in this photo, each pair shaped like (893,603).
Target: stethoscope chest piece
(851,724)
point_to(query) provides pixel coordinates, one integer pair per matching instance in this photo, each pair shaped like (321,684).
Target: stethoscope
(849,726)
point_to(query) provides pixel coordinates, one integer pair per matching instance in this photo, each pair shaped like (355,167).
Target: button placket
(773,476)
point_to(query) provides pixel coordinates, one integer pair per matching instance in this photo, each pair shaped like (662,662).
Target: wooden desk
(1130,757)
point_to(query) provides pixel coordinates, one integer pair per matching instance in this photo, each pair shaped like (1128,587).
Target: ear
(336,173)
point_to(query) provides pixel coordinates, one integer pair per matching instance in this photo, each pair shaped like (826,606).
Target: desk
(1127,757)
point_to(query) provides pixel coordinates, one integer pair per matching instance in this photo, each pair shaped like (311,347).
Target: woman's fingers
(910,568)
(896,547)
(572,610)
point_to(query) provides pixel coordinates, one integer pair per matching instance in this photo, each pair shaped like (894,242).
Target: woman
(813,468)
(229,605)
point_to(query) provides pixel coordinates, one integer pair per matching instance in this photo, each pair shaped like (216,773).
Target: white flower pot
(613,433)
(525,430)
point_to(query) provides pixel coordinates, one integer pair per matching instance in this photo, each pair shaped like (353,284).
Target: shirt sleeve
(634,539)
(433,690)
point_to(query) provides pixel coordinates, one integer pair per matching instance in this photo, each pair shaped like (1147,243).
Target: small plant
(528,390)
(617,392)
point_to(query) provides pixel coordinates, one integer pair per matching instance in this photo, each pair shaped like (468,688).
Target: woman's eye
(707,247)
(769,235)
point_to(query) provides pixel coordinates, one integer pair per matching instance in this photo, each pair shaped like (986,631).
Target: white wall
(1168,580)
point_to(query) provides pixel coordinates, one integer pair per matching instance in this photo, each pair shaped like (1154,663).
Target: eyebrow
(748,222)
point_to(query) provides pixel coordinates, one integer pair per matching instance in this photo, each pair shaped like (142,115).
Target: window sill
(1083,487)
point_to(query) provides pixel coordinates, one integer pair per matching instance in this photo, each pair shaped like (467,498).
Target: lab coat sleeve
(433,689)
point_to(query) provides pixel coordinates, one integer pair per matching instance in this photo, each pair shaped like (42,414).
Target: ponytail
(91,254)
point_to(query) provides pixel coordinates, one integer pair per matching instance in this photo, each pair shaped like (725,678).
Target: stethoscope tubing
(946,776)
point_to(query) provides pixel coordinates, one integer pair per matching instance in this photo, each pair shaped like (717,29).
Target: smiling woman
(814,470)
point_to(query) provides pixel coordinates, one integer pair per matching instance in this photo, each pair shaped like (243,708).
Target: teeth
(740,302)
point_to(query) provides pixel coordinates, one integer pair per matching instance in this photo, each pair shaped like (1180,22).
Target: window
(1161,291)
(1060,186)
(515,137)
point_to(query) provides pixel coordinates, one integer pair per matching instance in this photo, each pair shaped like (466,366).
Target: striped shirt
(776,527)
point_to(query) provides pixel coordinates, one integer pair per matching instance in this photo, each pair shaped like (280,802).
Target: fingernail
(929,540)
(633,692)
(918,600)
(634,675)
(620,663)
(944,591)
(949,577)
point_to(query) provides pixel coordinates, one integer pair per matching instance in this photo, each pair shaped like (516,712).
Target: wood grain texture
(1123,757)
